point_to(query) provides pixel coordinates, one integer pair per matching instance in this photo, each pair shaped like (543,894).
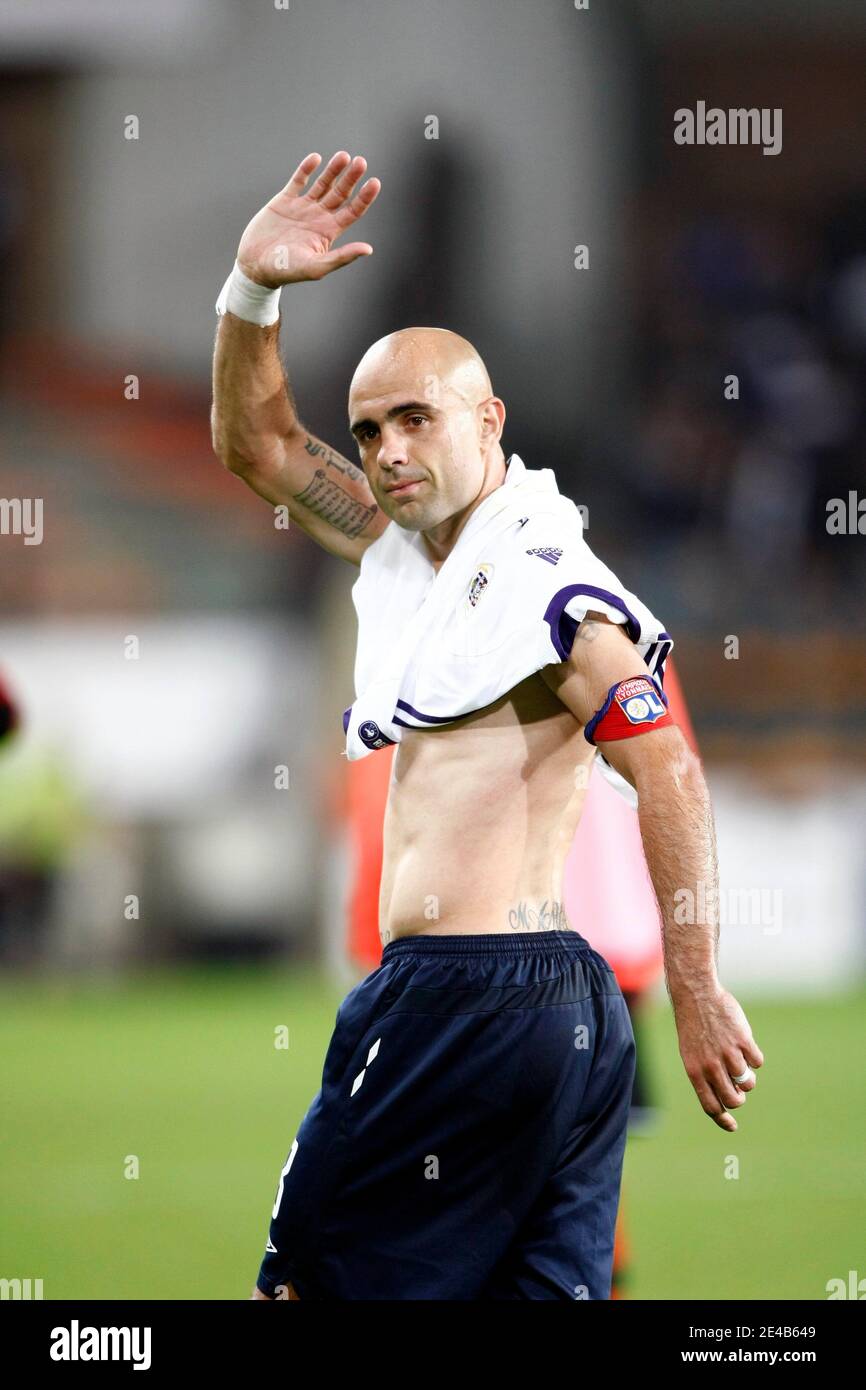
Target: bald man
(467,1140)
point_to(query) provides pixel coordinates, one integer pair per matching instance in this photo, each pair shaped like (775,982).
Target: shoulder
(544,551)
(595,636)
(557,527)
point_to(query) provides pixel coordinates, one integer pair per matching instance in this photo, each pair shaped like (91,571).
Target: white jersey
(436,646)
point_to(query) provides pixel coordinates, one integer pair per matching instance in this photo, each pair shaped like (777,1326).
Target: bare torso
(480,817)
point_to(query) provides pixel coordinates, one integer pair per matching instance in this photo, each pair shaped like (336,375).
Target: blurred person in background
(38,825)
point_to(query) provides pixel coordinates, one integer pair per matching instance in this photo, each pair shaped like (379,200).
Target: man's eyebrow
(394,412)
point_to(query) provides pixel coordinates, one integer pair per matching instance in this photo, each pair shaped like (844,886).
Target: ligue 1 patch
(371,735)
(639,701)
(479,583)
(551,553)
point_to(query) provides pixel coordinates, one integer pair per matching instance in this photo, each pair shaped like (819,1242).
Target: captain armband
(632,706)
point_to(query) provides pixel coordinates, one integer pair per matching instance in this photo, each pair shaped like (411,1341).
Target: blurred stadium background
(164,907)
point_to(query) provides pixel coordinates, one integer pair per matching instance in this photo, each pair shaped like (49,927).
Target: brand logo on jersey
(551,553)
(522,522)
(479,583)
(639,701)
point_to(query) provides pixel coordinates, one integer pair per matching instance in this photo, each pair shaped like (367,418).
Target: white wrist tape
(242,296)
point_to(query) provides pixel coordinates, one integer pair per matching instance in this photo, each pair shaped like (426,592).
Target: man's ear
(492,418)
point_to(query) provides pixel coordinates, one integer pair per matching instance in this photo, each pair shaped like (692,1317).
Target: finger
(726,1122)
(335,166)
(736,1067)
(753,1054)
(360,204)
(344,255)
(295,185)
(344,186)
(713,1106)
(728,1092)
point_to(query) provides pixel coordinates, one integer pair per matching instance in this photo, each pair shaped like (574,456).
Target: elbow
(689,768)
(228,456)
(233,463)
(686,776)
(672,764)
(249,454)
(221,445)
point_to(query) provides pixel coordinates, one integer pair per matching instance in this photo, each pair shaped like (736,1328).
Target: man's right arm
(258,436)
(254,423)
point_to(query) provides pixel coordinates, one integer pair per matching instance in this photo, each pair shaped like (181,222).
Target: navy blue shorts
(467,1141)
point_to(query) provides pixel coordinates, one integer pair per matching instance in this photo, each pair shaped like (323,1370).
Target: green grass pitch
(179,1070)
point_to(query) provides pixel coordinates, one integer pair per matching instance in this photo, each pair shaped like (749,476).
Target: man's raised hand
(292,237)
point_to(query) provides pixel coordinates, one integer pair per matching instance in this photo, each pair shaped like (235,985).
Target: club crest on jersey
(551,553)
(479,583)
(639,701)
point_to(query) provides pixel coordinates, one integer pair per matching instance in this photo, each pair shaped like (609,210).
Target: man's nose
(392,448)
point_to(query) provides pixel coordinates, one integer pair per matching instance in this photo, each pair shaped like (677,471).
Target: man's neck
(441,540)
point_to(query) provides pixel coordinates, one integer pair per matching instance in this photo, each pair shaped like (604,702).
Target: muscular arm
(678,834)
(257,435)
(676,824)
(254,422)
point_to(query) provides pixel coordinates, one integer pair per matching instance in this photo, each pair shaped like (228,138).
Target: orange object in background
(367,782)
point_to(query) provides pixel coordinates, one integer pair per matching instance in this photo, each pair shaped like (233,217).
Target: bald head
(427,425)
(437,361)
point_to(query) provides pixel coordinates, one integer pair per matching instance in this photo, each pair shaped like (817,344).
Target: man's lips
(399,489)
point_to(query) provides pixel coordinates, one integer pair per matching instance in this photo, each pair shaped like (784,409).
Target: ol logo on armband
(631,707)
(639,701)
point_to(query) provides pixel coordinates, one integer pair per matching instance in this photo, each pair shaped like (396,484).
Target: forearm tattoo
(332,460)
(550,916)
(330,501)
(335,505)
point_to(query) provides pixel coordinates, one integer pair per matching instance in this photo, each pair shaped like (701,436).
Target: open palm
(292,237)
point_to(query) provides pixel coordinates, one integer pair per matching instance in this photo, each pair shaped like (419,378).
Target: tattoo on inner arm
(589,628)
(550,916)
(335,505)
(332,460)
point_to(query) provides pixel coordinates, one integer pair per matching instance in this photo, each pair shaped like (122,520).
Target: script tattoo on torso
(549,916)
